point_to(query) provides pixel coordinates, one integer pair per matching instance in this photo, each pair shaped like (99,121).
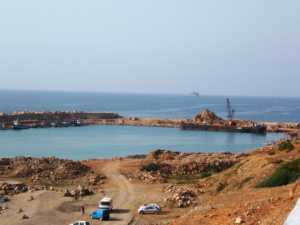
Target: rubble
(145,177)
(50,168)
(11,189)
(96,179)
(80,191)
(182,197)
(176,163)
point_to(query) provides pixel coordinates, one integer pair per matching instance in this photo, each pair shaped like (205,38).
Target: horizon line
(146,93)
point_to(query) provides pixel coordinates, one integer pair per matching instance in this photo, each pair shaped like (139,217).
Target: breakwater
(203,121)
(23,120)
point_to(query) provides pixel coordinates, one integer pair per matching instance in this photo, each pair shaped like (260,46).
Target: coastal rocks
(12,189)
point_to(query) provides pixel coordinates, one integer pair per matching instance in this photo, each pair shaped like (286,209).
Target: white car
(106,203)
(81,223)
(151,208)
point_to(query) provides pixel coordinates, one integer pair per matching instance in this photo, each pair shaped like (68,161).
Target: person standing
(82,209)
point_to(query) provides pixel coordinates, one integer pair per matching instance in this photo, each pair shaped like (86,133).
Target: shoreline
(26,120)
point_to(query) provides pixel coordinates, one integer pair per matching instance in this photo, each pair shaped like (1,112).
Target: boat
(18,126)
(256,128)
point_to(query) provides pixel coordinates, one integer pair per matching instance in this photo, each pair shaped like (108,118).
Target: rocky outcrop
(207,116)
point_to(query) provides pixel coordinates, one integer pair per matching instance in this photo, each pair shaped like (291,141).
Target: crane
(230,111)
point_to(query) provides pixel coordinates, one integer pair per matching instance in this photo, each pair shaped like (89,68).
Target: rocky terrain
(163,165)
(49,170)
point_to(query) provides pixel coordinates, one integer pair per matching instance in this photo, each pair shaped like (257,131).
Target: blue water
(171,106)
(108,141)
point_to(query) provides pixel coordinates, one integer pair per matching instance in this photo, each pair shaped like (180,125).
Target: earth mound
(207,116)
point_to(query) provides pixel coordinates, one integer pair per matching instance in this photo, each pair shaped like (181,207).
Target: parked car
(81,223)
(100,214)
(151,208)
(106,203)
(3,199)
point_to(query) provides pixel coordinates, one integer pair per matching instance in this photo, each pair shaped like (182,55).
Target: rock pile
(80,191)
(12,189)
(207,116)
(176,163)
(181,197)
(96,179)
(145,177)
(51,168)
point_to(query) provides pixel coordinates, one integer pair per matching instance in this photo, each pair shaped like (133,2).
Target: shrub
(285,174)
(221,186)
(286,145)
(151,167)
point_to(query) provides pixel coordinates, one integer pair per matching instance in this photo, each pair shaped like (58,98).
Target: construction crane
(230,111)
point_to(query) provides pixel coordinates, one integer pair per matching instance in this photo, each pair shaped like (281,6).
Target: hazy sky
(230,47)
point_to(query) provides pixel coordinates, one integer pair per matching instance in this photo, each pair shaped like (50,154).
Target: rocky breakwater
(49,170)
(52,119)
(143,122)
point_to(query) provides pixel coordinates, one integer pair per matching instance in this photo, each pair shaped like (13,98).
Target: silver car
(152,208)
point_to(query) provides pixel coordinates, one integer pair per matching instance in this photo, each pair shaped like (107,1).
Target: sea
(109,141)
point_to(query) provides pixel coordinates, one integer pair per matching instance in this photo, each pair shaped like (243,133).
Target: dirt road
(122,193)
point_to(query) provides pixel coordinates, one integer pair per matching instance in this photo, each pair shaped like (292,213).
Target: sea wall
(44,119)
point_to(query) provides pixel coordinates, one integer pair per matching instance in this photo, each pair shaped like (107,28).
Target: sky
(214,47)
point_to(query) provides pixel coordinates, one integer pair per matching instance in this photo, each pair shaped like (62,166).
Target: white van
(105,203)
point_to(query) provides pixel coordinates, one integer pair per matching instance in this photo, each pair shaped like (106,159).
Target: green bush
(285,174)
(286,145)
(151,167)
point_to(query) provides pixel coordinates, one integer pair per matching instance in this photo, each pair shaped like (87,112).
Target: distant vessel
(195,93)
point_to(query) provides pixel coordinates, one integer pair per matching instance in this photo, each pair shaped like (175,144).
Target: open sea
(108,141)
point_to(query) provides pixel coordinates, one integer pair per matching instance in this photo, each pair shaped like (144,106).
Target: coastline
(197,184)
(66,119)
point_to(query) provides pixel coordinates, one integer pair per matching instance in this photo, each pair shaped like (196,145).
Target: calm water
(107,141)
(174,106)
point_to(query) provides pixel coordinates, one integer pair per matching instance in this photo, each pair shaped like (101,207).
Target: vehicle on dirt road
(151,208)
(100,214)
(106,203)
(3,199)
(81,223)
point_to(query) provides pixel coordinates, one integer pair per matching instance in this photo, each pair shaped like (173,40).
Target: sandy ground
(50,207)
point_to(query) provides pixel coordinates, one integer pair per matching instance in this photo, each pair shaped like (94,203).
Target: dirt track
(123,198)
